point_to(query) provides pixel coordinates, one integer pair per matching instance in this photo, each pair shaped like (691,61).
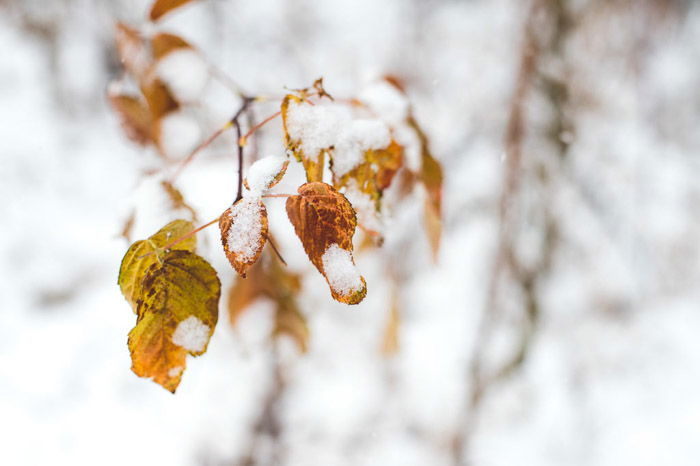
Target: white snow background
(613,373)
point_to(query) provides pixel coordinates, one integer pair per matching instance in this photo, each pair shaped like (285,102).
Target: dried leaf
(159,98)
(164,43)
(325,222)
(177,312)
(131,49)
(244,232)
(244,291)
(390,343)
(177,199)
(312,166)
(289,321)
(431,176)
(144,253)
(162,7)
(135,117)
(374,175)
(267,278)
(265,173)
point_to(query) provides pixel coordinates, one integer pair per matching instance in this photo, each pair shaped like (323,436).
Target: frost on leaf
(264,174)
(341,272)
(162,7)
(322,217)
(177,312)
(144,253)
(244,232)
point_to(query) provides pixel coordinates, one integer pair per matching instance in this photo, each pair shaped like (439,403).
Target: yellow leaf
(135,117)
(244,291)
(144,253)
(177,312)
(162,7)
(289,321)
(244,233)
(325,222)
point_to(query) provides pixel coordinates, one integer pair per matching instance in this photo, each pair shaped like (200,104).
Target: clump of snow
(179,134)
(358,137)
(175,371)
(262,173)
(342,274)
(245,233)
(316,126)
(191,334)
(364,207)
(386,101)
(185,73)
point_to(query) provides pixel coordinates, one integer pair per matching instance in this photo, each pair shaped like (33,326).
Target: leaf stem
(244,139)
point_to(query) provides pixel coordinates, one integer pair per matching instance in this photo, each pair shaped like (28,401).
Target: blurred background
(559,325)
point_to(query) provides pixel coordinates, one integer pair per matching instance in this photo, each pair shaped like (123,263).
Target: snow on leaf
(177,133)
(177,312)
(162,7)
(144,253)
(323,217)
(192,334)
(185,73)
(264,174)
(358,137)
(244,232)
(311,130)
(340,271)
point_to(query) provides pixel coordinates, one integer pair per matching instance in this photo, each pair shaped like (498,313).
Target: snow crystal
(179,134)
(245,233)
(316,126)
(359,136)
(185,73)
(192,334)
(262,172)
(342,275)
(386,101)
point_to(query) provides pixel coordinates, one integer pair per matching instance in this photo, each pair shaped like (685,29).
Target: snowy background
(597,296)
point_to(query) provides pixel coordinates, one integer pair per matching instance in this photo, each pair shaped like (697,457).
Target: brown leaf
(244,291)
(164,43)
(325,222)
(131,49)
(134,116)
(244,232)
(162,7)
(159,98)
(177,312)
